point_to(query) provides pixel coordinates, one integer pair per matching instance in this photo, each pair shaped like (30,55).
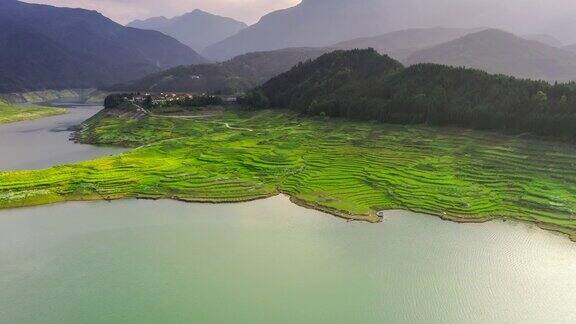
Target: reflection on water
(273,262)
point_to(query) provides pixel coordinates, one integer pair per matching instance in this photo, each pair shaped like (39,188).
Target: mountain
(197,29)
(496,51)
(362,84)
(237,75)
(570,48)
(401,44)
(544,39)
(326,22)
(45,47)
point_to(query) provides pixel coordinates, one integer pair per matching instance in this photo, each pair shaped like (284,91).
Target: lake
(42,143)
(267,261)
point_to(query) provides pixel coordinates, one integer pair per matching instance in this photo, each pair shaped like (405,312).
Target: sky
(124,11)
(555,17)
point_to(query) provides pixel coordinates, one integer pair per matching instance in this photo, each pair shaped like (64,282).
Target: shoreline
(370,219)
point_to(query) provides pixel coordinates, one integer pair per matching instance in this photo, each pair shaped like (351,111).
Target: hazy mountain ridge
(496,51)
(544,39)
(570,48)
(197,29)
(311,23)
(326,22)
(237,75)
(44,47)
(401,44)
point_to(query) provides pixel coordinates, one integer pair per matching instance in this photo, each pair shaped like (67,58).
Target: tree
(147,102)
(541,98)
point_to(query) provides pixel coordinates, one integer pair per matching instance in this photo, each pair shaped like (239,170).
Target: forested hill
(361,84)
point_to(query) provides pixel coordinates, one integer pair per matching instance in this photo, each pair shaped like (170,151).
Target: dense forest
(364,85)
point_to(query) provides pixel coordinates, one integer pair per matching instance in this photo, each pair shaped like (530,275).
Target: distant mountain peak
(197,29)
(200,12)
(194,13)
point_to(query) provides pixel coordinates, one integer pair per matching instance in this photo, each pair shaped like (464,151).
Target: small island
(10,113)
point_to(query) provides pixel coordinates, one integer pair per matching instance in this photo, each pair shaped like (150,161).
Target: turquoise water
(267,261)
(273,262)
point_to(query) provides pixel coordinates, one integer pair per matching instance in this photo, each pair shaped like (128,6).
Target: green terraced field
(349,169)
(10,114)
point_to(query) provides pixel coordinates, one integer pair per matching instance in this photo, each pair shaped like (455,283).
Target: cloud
(124,11)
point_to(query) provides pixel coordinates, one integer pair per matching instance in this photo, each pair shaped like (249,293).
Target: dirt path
(235,128)
(182,117)
(227,125)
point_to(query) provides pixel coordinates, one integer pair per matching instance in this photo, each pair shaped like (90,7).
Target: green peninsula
(350,169)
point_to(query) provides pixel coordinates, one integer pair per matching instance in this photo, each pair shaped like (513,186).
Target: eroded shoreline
(370,219)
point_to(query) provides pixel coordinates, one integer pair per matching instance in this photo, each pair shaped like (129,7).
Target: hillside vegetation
(361,84)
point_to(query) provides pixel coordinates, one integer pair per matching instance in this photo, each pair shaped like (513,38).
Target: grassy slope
(346,168)
(9,114)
